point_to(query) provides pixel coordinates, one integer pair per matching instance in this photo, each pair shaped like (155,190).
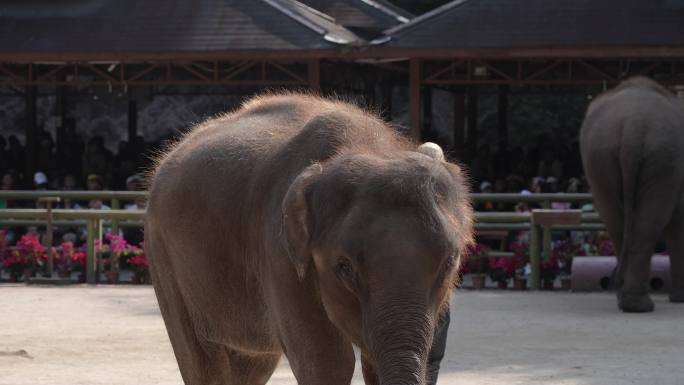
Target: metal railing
(94,220)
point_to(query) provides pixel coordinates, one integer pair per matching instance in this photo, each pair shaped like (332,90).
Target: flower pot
(478,282)
(64,274)
(502,285)
(112,276)
(547,285)
(520,284)
(81,277)
(566,283)
(13,278)
(28,273)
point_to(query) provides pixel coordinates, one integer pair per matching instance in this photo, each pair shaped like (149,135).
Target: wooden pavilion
(464,45)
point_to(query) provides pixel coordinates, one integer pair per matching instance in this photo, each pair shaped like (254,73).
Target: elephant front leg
(318,354)
(675,245)
(317,351)
(370,377)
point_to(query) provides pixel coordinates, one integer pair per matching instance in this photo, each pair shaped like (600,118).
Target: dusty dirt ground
(83,335)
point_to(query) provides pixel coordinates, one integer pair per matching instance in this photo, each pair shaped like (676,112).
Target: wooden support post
(98,235)
(459,124)
(503,117)
(49,233)
(546,235)
(61,111)
(414,98)
(426,112)
(31,132)
(535,261)
(116,205)
(91,260)
(383,91)
(132,120)
(473,113)
(314,72)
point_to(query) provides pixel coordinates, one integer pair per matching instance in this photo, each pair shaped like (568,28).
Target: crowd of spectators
(73,165)
(544,168)
(79,165)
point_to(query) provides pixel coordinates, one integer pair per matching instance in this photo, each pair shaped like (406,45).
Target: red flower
(79,259)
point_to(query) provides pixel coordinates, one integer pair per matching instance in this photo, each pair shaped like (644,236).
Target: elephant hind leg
(650,220)
(675,246)
(199,361)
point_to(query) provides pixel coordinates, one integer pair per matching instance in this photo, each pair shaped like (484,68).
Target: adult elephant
(632,144)
(301,225)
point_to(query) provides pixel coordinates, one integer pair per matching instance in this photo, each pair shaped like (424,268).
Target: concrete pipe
(595,273)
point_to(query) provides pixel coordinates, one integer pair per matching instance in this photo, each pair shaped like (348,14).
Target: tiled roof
(86,26)
(544,23)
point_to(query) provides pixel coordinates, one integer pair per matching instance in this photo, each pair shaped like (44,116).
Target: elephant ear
(297,219)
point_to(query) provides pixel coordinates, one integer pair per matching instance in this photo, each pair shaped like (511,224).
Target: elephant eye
(447,266)
(344,268)
(450,262)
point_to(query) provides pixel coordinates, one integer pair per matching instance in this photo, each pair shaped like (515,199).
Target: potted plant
(478,257)
(67,250)
(522,259)
(77,263)
(109,255)
(141,267)
(550,269)
(564,252)
(25,257)
(605,246)
(501,270)
(12,264)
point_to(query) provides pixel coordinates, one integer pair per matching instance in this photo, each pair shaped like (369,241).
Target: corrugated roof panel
(161,25)
(545,23)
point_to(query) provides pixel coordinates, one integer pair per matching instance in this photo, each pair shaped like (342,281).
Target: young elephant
(300,225)
(632,144)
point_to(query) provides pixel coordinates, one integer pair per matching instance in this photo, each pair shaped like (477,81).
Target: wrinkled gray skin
(301,226)
(632,144)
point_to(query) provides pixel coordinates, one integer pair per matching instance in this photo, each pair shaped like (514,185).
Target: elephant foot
(677,296)
(635,303)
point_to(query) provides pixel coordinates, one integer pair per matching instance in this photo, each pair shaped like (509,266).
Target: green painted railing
(94,220)
(133,195)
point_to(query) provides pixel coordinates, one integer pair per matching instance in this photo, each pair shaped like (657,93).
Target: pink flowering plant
(477,259)
(501,269)
(72,259)
(109,253)
(564,252)
(550,268)
(521,256)
(138,261)
(77,261)
(28,253)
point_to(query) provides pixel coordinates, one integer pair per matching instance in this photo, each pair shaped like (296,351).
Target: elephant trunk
(400,339)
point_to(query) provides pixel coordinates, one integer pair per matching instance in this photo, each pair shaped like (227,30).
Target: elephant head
(382,236)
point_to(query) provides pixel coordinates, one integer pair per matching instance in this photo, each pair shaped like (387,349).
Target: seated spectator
(69,184)
(134,183)
(486,188)
(7,184)
(94,183)
(40,181)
